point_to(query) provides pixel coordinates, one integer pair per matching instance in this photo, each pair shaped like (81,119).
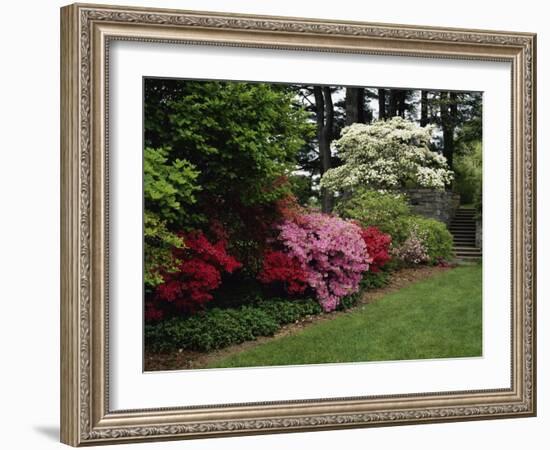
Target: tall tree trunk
(423,108)
(402,102)
(355,105)
(325,121)
(394,100)
(381,103)
(453,107)
(447,124)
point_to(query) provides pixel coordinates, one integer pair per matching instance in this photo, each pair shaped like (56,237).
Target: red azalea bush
(199,272)
(378,246)
(251,228)
(281,267)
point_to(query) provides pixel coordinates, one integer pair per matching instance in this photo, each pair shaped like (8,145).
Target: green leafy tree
(169,191)
(170,186)
(242,136)
(468,168)
(239,140)
(158,245)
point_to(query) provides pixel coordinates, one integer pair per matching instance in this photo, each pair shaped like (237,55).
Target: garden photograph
(294,224)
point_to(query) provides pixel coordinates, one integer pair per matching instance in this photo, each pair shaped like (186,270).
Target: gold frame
(86,31)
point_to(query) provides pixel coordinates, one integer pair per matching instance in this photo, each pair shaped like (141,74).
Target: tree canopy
(215,151)
(242,136)
(387,154)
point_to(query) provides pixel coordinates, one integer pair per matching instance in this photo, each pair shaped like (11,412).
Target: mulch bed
(187,359)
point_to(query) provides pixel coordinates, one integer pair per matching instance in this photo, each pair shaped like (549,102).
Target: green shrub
(374,280)
(288,311)
(301,186)
(437,240)
(385,210)
(391,213)
(349,301)
(217,328)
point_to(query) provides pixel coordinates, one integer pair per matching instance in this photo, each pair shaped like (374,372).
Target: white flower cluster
(387,155)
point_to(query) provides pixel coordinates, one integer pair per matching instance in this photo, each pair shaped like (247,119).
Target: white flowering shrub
(388,154)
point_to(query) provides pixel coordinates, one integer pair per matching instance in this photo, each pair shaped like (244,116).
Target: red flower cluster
(280,267)
(378,246)
(198,274)
(214,254)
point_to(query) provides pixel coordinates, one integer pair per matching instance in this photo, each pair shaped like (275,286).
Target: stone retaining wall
(479,234)
(440,205)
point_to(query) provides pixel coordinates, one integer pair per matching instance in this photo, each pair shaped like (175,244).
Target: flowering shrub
(252,227)
(388,154)
(331,252)
(281,267)
(378,246)
(412,251)
(436,239)
(198,274)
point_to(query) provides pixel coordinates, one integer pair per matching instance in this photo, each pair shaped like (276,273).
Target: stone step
(464,242)
(463,229)
(463,222)
(470,258)
(464,216)
(467,251)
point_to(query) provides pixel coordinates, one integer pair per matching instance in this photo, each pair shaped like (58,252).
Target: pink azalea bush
(331,252)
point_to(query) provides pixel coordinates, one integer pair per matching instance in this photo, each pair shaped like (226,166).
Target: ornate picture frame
(86,34)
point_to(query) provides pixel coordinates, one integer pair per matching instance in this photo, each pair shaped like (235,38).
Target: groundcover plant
(300,224)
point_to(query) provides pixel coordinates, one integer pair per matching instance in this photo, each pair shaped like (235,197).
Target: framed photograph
(276,224)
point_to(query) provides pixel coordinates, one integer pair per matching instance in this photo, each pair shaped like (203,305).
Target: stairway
(463,229)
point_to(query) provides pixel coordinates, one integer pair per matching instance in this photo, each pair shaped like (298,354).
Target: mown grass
(437,318)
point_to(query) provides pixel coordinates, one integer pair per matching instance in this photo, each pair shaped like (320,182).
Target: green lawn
(437,318)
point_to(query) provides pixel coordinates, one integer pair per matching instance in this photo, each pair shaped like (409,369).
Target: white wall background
(29,223)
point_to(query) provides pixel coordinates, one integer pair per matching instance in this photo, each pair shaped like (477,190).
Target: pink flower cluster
(332,254)
(412,251)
